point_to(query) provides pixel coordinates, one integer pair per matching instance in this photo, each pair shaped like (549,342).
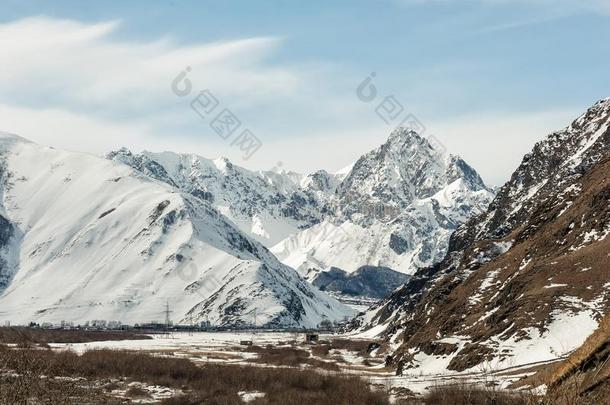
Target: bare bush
(31,336)
(468,394)
(209,383)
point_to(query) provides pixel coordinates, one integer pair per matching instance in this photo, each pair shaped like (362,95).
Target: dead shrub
(291,357)
(29,336)
(357,346)
(320,350)
(137,392)
(468,394)
(210,383)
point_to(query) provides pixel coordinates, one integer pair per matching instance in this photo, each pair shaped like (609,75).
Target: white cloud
(66,130)
(67,63)
(75,86)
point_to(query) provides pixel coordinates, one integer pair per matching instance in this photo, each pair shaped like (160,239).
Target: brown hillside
(541,252)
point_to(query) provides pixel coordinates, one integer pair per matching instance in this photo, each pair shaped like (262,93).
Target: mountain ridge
(396,207)
(99,240)
(300,217)
(535,260)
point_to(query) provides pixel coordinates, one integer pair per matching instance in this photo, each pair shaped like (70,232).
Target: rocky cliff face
(8,233)
(397,207)
(7,266)
(528,279)
(402,171)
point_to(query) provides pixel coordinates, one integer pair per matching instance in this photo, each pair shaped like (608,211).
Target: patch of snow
(553,285)
(524,263)
(249,396)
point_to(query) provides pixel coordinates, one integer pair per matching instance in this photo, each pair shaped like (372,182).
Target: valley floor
(333,356)
(236,367)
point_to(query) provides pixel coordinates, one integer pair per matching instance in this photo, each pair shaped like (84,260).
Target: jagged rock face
(553,165)
(527,280)
(7,270)
(404,169)
(95,239)
(322,183)
(8,235)
(397,207)
(268,206)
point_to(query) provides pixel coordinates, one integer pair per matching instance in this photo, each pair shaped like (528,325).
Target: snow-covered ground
(224,347)
(186,341)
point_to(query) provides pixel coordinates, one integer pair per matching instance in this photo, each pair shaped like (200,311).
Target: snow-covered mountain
(85,238)
(528,279)
(397,207)
(269,206)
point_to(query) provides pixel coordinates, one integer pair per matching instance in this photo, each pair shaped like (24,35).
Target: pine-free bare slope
(94,239)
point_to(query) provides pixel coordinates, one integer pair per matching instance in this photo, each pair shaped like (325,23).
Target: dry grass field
(39,375)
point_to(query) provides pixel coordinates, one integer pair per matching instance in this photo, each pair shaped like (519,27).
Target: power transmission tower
(168,320)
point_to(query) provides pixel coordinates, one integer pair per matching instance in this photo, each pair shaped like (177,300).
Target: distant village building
(312,337)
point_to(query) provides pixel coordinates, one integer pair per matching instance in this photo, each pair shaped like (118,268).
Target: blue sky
(488,78)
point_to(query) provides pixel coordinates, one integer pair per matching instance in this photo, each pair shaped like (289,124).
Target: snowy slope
(269,206)
(397,207)
(94,239)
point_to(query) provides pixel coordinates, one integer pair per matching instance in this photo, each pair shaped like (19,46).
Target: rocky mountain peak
(553,164)
(403,135)
(141,163)
(406,168)
(321,181)
(266,205)
(404,142)
(457,168)
(534,262)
